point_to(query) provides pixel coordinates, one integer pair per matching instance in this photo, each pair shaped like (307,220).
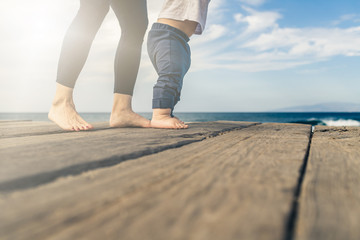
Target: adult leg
(132,16)
(75,50)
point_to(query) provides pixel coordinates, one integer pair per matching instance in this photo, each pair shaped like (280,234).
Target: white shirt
(192,10)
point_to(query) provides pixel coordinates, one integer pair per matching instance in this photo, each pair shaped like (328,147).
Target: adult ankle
(122,103)
(62,99)
(63,95)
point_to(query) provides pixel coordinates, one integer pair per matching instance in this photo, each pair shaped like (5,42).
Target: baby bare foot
(127,118)
(178,119)
(66,117)
(63,112)
(167,122)
(161,119)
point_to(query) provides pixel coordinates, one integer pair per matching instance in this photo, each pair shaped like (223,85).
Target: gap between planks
(290,228)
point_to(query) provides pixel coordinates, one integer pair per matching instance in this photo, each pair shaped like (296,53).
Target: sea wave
(342,122)
(331,122)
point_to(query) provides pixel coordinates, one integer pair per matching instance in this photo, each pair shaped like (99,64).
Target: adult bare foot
(122,114)
(127,118)
(161,119)
(63,112)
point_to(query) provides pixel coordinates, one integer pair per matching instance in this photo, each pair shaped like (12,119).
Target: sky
(254,55)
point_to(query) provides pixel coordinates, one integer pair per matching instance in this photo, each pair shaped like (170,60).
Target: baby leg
(170,54)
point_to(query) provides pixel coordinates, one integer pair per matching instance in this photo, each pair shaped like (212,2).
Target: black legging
(132,17)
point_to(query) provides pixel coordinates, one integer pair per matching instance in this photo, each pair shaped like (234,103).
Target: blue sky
(255,55)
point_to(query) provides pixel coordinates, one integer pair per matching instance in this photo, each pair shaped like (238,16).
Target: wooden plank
(330,197)
(12,121)
(29,161)
(238,185)
(13,129)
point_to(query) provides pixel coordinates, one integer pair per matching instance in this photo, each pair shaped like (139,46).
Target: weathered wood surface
(221,180)
(238,185)
(330,197)
(27,161)
(10,129)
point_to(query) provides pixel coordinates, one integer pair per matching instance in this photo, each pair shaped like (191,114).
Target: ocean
(312,118)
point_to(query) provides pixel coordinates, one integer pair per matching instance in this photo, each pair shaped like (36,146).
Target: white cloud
(211,33)
(239,17)
(314,42)
(253,2)
(262,44)
(258,21)
(346,18)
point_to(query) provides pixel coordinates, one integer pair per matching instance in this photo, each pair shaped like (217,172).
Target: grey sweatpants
(169,52)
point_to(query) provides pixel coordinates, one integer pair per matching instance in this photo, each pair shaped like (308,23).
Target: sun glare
(36,27)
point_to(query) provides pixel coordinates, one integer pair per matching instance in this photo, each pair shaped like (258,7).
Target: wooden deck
(213,181)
